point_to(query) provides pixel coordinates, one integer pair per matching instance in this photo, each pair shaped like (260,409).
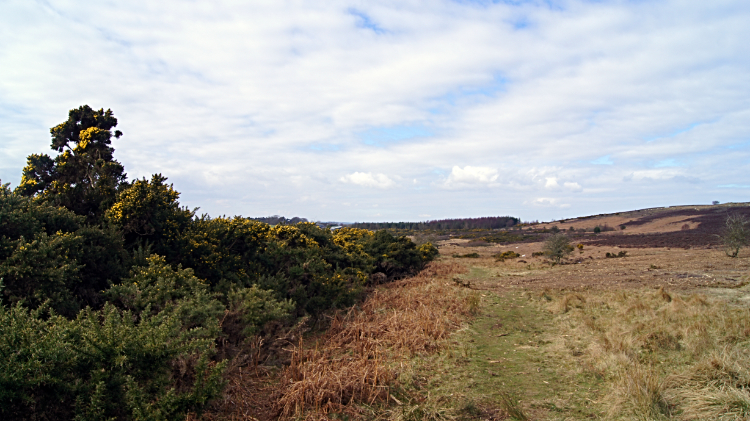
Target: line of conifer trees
(490,222)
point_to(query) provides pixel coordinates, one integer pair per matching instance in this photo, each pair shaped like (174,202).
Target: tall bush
(736,234)
(557,247)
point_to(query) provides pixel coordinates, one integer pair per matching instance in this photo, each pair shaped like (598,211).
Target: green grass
(501,363)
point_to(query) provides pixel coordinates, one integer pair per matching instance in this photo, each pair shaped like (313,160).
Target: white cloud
(471,175)
(572,186)
(271,99)
(367,179)
(547,202)
(543,201)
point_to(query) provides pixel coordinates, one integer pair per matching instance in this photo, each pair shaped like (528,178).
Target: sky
(395,110)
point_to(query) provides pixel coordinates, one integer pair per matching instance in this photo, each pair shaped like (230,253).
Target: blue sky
(395,110)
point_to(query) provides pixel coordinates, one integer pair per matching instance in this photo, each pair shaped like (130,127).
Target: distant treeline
(489,222)
(276,220)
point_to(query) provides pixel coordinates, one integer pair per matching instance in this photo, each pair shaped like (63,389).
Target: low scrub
(467,256)
(501,257)
(616,255)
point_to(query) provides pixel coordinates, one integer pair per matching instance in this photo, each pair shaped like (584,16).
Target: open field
(658,333)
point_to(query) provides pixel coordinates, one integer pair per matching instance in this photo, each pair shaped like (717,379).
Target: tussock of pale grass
(663,356)
(717,386)
(570,301)
(351,363)
(638,391)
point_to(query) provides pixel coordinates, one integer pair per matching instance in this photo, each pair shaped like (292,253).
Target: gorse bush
(113,296)
(101,365)
(510,254)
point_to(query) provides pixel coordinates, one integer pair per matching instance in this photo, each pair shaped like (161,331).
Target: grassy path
(503,365)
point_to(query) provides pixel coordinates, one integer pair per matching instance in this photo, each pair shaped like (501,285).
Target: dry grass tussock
(664,356)
(357,361)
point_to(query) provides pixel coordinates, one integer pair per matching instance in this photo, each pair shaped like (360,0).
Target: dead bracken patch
(353,362)
(350,363)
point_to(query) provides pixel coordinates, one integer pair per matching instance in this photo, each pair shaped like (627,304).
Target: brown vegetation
(357,359)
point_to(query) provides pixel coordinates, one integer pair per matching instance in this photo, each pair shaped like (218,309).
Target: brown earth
(683,227)
(674,268)
(673,247)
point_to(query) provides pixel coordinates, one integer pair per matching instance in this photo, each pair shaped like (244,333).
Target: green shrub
(396,257)
(148,212)
(35,363)
(466,256)
(736,234)
(105,364)
(47,253)
(157,287)
(506,255)
(557,247)
(613,255)
(255,307)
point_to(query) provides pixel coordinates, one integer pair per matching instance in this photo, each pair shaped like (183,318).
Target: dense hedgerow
(113,297)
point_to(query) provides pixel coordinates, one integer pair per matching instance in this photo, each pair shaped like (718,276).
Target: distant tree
(84,177)
(557,247)
(736,234)
(597,230)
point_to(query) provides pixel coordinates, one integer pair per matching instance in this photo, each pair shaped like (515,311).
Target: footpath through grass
(639,354)
(502,366)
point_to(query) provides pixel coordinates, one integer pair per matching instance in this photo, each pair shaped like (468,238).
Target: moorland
(119,303)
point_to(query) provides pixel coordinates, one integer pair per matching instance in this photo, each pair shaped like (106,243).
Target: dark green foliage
(34,363)
(496,237)
(255,307)
(597,230)
(39,269)
(466,256)
(102,365)
(157,287)
(84,177)
(112,295)
(223,251)
(396,257)
(46,253)
(147,212)
(128,369)
(613,255)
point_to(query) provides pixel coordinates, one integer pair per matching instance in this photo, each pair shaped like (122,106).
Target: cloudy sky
(395,110)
